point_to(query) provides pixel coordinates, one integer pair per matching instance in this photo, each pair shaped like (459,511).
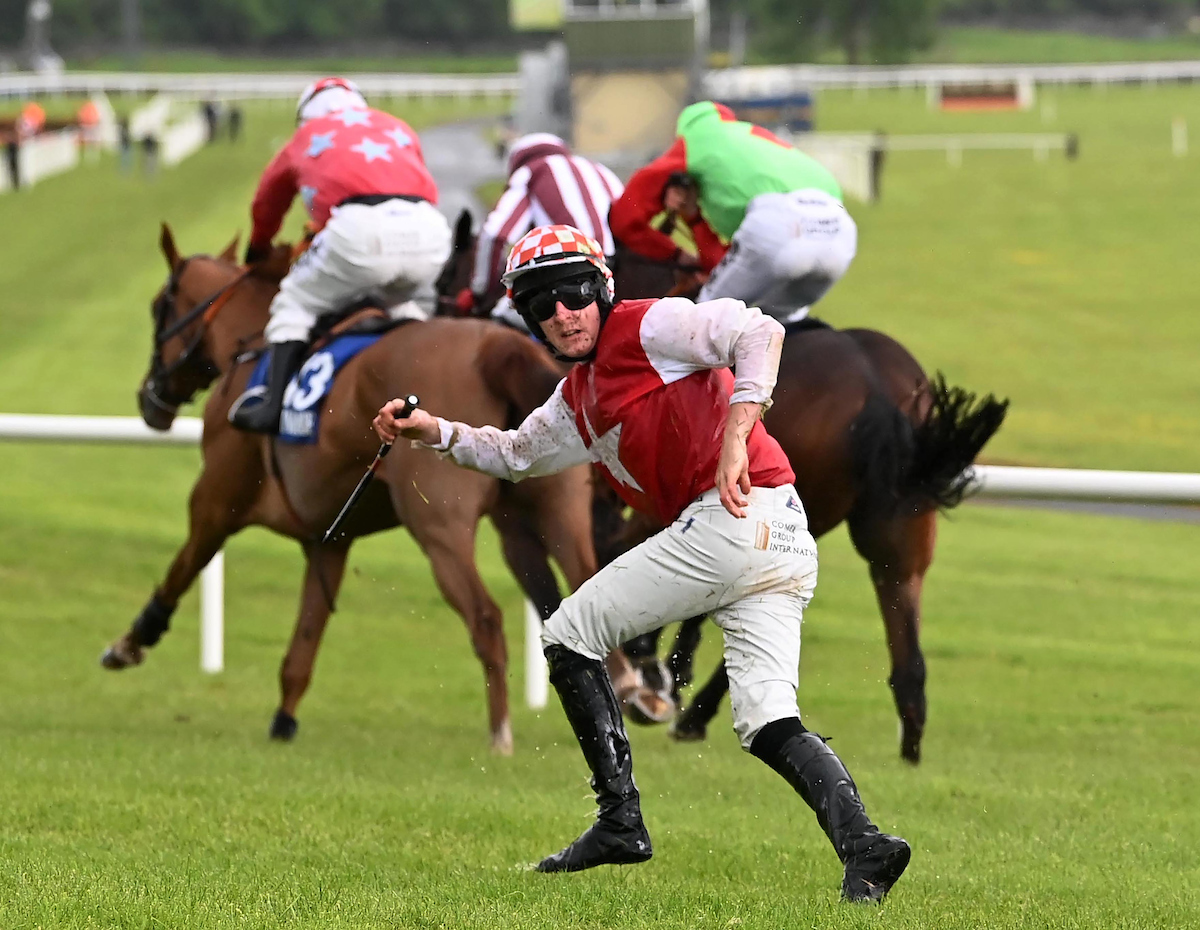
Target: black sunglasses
(575,294)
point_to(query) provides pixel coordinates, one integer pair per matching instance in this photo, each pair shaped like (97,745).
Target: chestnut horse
(206,316)
(874,442)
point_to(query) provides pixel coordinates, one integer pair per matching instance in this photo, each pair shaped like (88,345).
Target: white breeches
(753,576)
(789,250)
(392,251)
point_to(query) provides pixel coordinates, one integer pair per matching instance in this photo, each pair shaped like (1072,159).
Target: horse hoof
(502,740)
(121,655)
(647,708)
(911,754)
(681,732)
(655,675)
(284,726)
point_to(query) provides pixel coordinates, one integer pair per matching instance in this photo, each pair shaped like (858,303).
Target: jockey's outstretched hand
(419,424)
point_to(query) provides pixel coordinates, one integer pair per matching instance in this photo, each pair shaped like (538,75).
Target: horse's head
(456,273)
(180,365)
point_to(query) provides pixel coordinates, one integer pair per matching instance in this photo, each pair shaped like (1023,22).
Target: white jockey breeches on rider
(391,251)
(790,249)
(753,576)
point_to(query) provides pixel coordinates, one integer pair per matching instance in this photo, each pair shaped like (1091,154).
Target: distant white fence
(149,119)
(852,156)
(43,156)
(1040,143)
(267,86)
(992,481)
(781,80)
(178,136)
(182,138)
(727,83)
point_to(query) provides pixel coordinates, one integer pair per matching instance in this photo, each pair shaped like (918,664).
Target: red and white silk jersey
(349,153)
(549,185)
(650,410)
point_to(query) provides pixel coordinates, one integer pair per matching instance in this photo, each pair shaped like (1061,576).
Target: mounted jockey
(651,401)
(546,185)
(767,220)
(362,177)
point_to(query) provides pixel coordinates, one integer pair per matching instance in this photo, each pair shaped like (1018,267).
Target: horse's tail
(518,371)
(898,463)
(952,434)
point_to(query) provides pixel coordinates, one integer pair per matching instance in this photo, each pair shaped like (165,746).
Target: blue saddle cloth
(301,415)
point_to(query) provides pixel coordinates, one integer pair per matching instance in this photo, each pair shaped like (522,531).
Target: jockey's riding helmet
(328,95)
(552,264)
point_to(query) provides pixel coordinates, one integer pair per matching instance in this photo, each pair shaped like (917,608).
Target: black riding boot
(263,417)
(873,860)
(618,836)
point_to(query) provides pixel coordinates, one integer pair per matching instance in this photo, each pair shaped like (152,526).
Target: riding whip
(410,404)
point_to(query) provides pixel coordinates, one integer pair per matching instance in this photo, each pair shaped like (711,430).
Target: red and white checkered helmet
(551,246)
(328,95)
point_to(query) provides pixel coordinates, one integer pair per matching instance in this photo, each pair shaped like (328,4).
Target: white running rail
(267,86)
(781,80)
(1001,481)
(759,81)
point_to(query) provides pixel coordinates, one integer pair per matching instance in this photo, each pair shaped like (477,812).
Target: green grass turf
(1064,285)
(1060,773)
(969,45)
(1056,791)
(988,45)
(67,108)
(82,260)
(954,44)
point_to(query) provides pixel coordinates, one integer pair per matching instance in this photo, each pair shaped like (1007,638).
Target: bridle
(164,331)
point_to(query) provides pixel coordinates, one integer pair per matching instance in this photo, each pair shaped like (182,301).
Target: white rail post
(212,615)
(536,672)
(1179,137)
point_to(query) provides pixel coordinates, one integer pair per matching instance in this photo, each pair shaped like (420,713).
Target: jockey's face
(678,198)
(573,333)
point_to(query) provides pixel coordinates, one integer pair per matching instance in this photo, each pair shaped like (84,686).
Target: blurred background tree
(857,31)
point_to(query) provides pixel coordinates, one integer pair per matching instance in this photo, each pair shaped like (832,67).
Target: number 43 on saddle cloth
(302,401)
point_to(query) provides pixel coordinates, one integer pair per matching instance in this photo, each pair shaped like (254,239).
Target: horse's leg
(211,516)
(553,516)
(528,560)
(643,647)
(322,580)
(692,724)
(451,551)
(683,653)
(900,551)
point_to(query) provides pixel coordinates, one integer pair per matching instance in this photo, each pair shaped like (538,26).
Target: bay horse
(874,442)
(206,316)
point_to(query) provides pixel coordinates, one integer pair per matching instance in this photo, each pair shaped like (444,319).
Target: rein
(206,311)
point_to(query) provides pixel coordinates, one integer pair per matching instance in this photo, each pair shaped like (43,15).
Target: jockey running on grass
(767,220)
(546,185)
(362,177)
(652,403)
